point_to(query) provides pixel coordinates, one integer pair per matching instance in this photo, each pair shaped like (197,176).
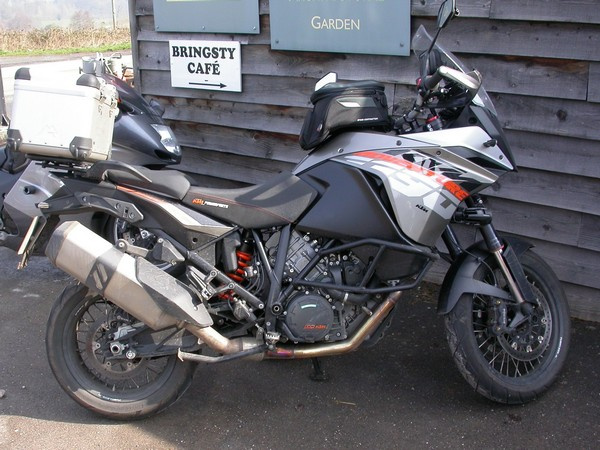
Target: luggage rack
(66,164)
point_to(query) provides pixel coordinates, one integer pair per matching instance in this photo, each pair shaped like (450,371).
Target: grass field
(63,40)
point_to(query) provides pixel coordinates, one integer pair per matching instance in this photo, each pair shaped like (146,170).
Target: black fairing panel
(349,205)
(477,115)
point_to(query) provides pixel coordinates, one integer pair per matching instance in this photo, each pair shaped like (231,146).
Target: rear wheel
(81,331)
(517,364)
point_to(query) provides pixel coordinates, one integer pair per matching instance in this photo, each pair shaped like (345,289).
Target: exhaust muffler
(140,288)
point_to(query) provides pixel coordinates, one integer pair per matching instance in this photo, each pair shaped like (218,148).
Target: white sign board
(213,65)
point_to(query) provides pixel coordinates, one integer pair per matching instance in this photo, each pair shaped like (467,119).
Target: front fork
(504,254)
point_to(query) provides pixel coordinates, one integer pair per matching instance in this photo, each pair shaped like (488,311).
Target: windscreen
(420,44)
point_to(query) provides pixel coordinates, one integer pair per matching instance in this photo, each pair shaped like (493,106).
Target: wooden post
(3,117)
(133,28)
(114,15)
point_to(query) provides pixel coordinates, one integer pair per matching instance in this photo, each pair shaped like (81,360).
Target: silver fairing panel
(471,139)
(35,185)
(424,180)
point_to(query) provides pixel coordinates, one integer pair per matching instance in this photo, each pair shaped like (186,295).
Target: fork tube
(495,246)
(451,241)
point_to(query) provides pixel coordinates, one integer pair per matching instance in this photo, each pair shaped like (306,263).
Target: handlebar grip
(431,81)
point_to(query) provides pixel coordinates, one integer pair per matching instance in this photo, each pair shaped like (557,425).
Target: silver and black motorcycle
(311,263)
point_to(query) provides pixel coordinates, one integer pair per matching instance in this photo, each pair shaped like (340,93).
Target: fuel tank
(418,180)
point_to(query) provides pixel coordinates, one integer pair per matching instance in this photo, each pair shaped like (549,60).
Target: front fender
(460,279)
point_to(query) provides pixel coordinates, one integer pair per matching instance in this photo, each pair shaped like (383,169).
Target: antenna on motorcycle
(446,13)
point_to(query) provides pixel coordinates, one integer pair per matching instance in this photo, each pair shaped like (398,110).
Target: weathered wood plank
(231,166)
(146,25)
(263,7)
(505,75)
(555,153)
(538,77)
(146,7)
(261,60)
(536,221)
(531,77)
(133,28)
(583,301)
(551,116)
(284,91)
(578,11)
(594,83)
(573,265)
(475,35)
(467,8)
(257,144)
(143,7)
(579,194)
(536,39)
(146,35)
(589,235)
(270,90)
(276,119)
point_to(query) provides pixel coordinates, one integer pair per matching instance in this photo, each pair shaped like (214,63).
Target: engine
(318,314)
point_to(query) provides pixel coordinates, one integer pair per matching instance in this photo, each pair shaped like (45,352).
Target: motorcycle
(140,136)
(310,263)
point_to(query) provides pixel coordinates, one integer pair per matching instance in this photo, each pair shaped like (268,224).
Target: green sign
(207,16)
(379,27)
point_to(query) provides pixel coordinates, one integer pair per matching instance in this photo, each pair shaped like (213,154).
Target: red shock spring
(243,260)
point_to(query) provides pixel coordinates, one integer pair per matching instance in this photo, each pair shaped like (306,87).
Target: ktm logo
(314,327)
(202,202)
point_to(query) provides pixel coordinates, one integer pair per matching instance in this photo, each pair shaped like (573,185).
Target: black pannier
(337,106)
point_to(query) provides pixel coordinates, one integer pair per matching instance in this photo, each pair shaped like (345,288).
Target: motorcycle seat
(166,182)
(279,201)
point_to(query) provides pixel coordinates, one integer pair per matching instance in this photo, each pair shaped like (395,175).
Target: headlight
(167,138)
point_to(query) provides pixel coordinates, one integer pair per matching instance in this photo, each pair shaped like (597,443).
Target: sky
(27,14)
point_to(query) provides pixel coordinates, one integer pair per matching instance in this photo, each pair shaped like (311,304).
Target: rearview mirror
(331,77)
(446,13)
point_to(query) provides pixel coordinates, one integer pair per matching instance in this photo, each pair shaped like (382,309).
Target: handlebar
(431,81)
(471,80)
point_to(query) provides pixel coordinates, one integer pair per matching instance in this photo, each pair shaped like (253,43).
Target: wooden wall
(541,64)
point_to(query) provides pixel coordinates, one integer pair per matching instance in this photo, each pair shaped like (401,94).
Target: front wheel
(516,364)
(82,329)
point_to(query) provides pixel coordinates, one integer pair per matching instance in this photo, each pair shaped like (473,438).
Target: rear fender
(460,280)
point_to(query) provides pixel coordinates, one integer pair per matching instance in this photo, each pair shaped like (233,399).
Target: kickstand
(318,374)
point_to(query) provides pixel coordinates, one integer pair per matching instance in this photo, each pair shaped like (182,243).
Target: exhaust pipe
(339,348)
(140,288)
(245,347)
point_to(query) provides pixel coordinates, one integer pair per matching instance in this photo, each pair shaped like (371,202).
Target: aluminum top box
(54,121)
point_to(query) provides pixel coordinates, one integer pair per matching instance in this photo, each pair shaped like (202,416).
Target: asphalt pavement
(403,393)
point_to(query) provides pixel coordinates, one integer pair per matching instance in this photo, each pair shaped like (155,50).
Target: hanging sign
(207,16)
(379,27)
(212,65)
